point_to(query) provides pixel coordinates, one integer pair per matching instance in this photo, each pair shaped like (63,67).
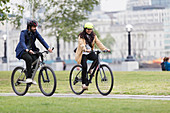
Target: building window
(69,56)
(167,41)
(167,47)
(154,42)
(148,44)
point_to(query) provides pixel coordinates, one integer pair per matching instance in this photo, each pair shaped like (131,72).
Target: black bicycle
(104,78)
(46,78)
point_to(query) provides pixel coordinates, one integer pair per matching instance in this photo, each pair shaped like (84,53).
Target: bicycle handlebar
(40,53)
(99,51)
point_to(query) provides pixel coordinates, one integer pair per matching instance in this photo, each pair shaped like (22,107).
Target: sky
(113,5)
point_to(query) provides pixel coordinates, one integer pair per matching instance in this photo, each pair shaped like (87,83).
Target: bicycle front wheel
(104,80)
(18,81)
(47,81)
(76,79)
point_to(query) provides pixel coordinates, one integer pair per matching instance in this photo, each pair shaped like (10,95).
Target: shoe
(28,80)
(85,87)
(34,82)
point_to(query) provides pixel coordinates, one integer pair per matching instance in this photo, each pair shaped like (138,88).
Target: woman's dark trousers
(92,56)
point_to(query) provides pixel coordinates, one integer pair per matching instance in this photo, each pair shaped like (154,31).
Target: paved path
(150,97)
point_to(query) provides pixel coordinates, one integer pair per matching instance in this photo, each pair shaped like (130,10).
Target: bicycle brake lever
(106,51)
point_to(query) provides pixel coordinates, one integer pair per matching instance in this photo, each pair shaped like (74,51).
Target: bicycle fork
(103,78)
(47,79)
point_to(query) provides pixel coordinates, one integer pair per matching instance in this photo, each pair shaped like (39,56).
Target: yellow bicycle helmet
(88,25)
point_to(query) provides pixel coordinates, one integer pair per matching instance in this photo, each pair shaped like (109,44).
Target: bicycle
(104,78)
(46,77)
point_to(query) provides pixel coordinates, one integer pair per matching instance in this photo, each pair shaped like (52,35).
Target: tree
(35,5)
(65,16)
(4,10)
(17,15)
(108,41)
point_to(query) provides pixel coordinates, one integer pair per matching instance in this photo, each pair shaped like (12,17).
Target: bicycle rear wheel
(18,78)
(104,80)
(47,81)
(76,79)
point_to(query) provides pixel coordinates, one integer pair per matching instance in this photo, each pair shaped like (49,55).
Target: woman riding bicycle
(86,41)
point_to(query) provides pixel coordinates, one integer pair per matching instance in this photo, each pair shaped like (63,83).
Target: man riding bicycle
(86,41)
(26,47)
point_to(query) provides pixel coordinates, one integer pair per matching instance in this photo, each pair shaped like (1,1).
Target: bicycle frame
(37,62)
(95,69)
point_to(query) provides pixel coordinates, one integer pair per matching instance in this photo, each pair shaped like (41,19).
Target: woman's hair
(166,59)
(88,40)
(83,34)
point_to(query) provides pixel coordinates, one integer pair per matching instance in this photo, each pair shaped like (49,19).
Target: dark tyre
(104,80)
(76,79)
(18,81)
(47,81)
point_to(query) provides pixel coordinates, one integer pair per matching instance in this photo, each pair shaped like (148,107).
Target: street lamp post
(58,59)
(4,59)
(129,29)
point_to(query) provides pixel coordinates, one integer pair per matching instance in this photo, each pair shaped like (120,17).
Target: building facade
(147,35)
(163,3)
(137,3)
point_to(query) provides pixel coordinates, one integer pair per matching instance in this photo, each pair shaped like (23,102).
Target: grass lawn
(80,105)
(145,83)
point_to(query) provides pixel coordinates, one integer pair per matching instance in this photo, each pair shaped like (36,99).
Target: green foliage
(108,41)
(64,16)
(17,13)
(35,6)
(17,16)
(4,10)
